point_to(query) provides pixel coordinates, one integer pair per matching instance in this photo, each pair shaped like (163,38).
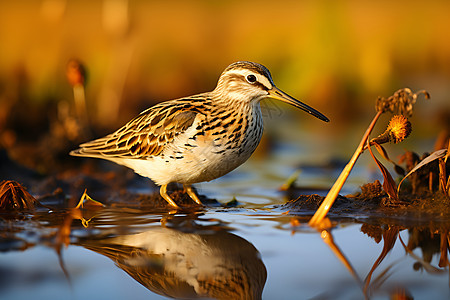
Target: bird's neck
(233,101)
(235,108)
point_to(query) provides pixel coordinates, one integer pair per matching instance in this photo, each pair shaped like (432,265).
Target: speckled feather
(155,128)
(147,134)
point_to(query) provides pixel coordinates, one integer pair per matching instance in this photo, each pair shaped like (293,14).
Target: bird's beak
(276,93)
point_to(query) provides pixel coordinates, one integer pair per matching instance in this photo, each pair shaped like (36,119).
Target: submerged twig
(444,247)
(426,265)
(389,237)
(327,237)
(58,249)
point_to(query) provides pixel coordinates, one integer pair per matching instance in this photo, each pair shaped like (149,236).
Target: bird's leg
(163,192)
(191,193)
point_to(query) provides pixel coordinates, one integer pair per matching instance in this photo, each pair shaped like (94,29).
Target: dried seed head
(399,128)
(401,103)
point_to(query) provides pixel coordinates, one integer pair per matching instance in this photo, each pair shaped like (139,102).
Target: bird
(196,138)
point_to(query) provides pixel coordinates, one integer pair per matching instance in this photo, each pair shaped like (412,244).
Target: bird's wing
(144,136)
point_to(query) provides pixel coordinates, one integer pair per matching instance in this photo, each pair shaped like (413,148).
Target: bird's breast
(213,146)
(234,136)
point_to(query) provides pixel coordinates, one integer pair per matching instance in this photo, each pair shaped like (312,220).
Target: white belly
(202,164)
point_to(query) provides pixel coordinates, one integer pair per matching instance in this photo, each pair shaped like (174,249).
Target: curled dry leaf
(389,185)
(401,103)
(14,197)
(389,237)
(88,201)
(433,156)
(385,155)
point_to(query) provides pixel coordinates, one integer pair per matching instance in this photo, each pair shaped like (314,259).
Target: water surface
(255,249)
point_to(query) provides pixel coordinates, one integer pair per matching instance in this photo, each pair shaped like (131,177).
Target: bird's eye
(251,78)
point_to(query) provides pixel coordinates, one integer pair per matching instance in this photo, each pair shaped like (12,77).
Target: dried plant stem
(443,183)
(80,101)
(328,239)
(448,179)
(80,106)
(334,191)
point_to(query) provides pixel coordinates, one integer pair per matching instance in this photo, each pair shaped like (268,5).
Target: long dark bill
(276,93)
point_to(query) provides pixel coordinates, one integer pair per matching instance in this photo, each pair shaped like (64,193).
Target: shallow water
(219,253)
(249,251)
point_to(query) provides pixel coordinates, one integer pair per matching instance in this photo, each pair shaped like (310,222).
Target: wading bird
(196,138)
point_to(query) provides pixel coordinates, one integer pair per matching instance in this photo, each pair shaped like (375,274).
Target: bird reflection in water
(212,264)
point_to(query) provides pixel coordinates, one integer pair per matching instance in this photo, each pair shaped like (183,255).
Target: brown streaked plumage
(197,138)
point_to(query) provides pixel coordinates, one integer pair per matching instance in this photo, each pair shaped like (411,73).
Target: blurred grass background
(337,56)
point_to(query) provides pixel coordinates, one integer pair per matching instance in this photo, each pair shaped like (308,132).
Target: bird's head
(251,82)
